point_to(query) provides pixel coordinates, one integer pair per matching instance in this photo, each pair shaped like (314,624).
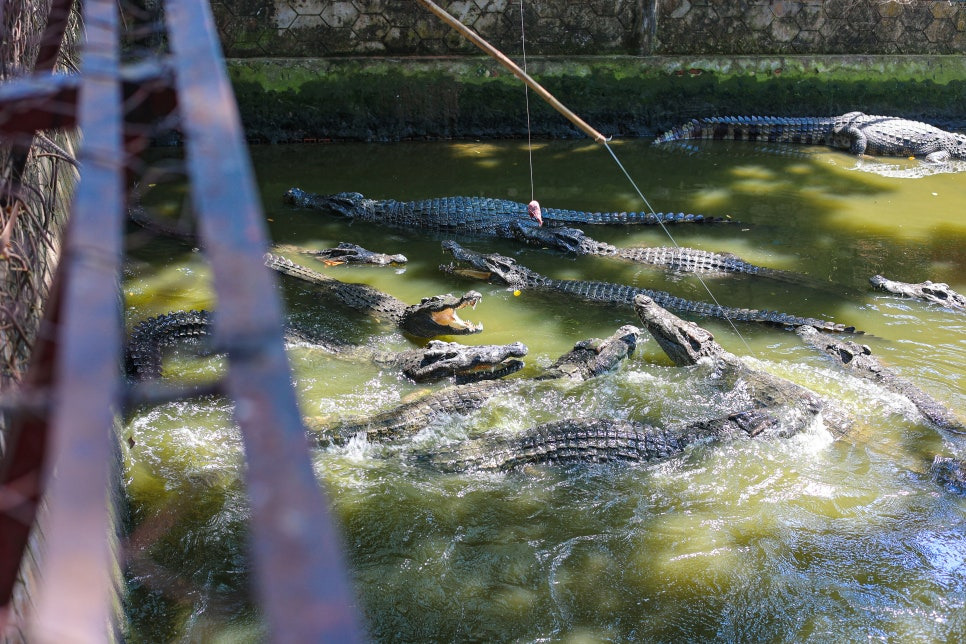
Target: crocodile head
(347,204)
(569,240)
(936,292)
(590,358)
(438,360)
(346,253)
(437,315)
(685,343)
(852,355)
(492,268)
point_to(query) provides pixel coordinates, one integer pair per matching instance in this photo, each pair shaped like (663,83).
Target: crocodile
(472,215)
(859,361)
(435,361)
(482,216)
(760,405)
(345,253)
(505,270)
(584,440)
(433,316)
(856,132)
(587,359)
(791,407)
(936,292)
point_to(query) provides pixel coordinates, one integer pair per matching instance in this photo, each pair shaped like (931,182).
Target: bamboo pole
(477,40)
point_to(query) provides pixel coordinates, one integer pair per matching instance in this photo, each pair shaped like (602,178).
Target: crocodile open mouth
(468,272)
(448,317)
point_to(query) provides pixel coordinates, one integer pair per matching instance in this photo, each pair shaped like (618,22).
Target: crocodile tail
(706,309)
(559,216)
(691,260)
(610,293)
(142,356)
(776,318)
(770,129)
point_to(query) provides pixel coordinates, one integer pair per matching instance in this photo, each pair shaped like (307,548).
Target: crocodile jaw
(450,319)
(685,343)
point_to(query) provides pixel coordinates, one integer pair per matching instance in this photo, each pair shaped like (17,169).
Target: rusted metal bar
(74,602)
(22,462)
(38,103)
(48,102)
(300,576)
(23,459)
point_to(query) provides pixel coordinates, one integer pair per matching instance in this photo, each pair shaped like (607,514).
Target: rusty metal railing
(60,444)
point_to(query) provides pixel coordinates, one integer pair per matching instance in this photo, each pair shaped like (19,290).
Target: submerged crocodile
(856,132)
(936,292)
(950,473)
(859,361)
(433,316)
(761,405)
(588,359)
(504,270)
(436,361)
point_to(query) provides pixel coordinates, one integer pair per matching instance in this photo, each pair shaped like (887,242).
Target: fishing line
(526,96)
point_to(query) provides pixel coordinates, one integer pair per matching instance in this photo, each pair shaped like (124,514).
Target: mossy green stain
(391,99)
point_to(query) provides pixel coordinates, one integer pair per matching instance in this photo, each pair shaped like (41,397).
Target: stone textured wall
(812,27)
(326,28)
(320,28)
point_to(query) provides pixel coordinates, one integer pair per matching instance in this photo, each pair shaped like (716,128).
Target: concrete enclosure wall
(387,99)
(383,70)
(324,28)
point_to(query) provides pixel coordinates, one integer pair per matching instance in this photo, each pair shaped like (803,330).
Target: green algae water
(812,538)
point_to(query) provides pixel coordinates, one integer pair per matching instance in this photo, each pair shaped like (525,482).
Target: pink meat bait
(533,209)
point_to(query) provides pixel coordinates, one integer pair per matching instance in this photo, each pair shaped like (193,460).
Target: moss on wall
(393,99)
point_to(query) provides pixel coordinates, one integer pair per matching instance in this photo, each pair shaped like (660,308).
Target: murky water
(805,539)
